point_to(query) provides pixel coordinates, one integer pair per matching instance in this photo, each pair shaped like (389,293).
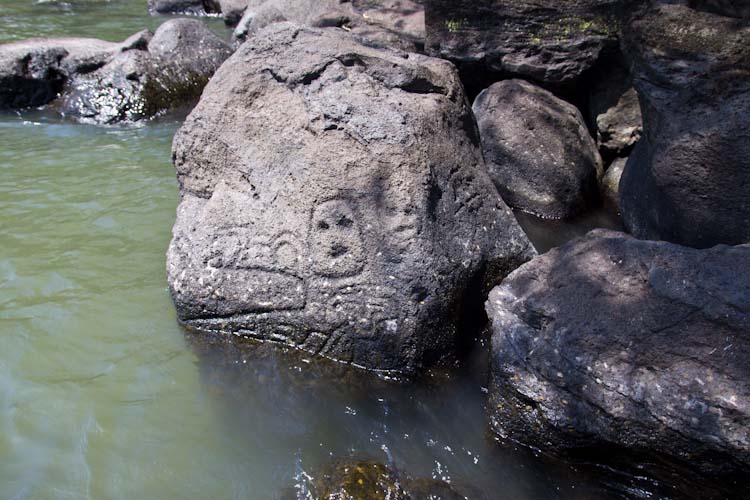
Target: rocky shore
(347,179)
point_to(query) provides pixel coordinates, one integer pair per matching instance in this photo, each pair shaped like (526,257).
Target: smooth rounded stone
(334,198)
(538,150)
(34,71)
(610,340)
(550,41)
(687,180)
(168,73)
(611,181)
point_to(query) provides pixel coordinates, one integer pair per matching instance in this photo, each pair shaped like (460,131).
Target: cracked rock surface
(610,340)
(334,198)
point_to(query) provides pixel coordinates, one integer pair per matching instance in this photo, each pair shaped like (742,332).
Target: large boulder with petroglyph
(687,179)
(612,341)
(334,198)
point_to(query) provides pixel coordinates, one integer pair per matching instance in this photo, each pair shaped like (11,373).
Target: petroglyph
(336,248)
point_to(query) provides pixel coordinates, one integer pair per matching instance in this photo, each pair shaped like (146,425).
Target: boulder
(538,150)
(620,126)
(610,186)
(384,23)
(168,73)
(550,41)
(614,110)
(33,72)
(334,198)
(687,179)
(610,342)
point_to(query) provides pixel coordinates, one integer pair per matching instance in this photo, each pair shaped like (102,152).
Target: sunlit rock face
(33,72)
(549,41)
(610,340)
(165,73)
(538,150)
(334,197)
(687,179)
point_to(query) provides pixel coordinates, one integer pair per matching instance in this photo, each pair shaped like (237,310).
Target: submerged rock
(334,198)
(33,72)
(687,179)
(610,340)
(351,479)
(550,41)
(538,150)
(168,73)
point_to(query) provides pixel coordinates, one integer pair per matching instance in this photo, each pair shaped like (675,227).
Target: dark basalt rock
(614,110)
(33,72)
(538,150)
(553,42)
(170,72)
(687,179)
(613,341)
(334,198)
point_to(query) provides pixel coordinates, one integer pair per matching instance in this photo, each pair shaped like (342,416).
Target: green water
(112,20)
(103,396)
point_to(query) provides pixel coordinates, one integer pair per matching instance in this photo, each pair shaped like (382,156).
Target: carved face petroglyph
(336,248)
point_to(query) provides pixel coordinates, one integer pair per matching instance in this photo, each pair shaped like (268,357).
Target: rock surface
(382,23)
(168,73)
(538,150)
(610,340)
(687,179)
(550,41)
(732,8)
(33,72)
(611,181)
(614,110)
(194,7)
(334,198)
